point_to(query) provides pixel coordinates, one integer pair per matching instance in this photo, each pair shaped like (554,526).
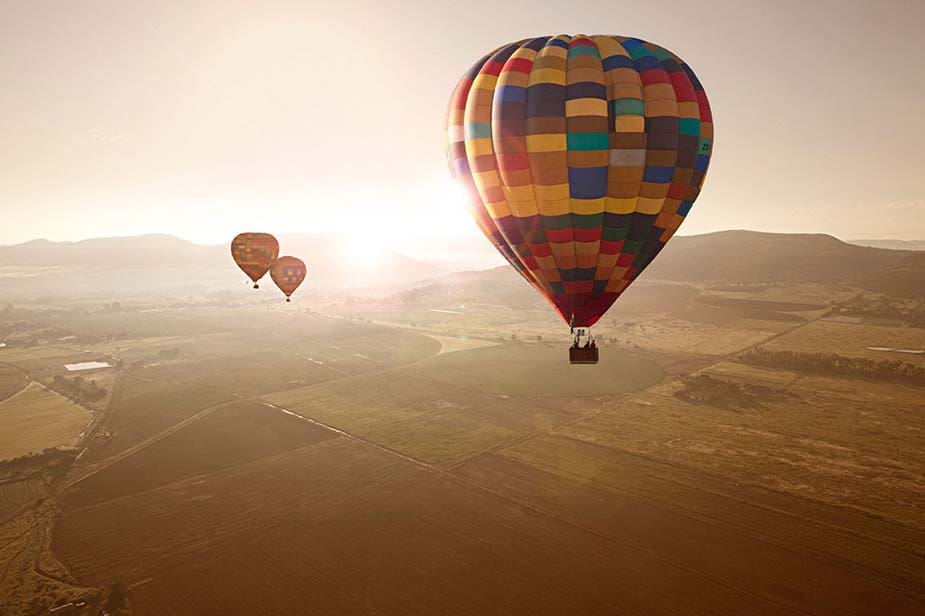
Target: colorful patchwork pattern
(254,253)
(288,273)
(581,156)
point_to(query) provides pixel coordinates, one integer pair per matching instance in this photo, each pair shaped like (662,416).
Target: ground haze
(750,443)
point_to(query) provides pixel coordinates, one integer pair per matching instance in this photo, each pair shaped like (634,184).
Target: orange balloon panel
(288,273)
(254,253)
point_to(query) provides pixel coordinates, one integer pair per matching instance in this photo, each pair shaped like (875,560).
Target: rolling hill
(165,258)
(891,244)
(731,257)
(743,257)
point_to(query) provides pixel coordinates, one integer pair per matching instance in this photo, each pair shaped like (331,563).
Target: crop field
(158,396)
(11,380)
(36,419)
(24,589)
(853,339)
(148,408)
(428,420)
(751,374)
(311,526)
(276,462)
(235,434)
(852,444)
(14,494)
(714,526)
(536,370)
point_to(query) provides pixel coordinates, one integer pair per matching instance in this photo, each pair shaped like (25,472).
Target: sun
(363,251)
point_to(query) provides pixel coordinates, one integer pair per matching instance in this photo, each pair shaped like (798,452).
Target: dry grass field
(853,339)
(14,494)
(851,444)
(231,435)
(12,379)
(36,419)
(430,421)
(792,553)
(311,526)
(264,463)
(536,370)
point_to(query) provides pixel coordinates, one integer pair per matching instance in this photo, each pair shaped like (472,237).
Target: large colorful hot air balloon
(254,253)
(288,273)
(581,156)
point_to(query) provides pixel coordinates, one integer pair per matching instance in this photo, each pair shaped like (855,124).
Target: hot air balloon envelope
(288,273)
(254,253)
(581,156)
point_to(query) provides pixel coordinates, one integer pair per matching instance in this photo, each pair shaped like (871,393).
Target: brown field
(311,526)
(852,339)
(25,588)
(407,411)
(491,480)
(14,494)
(726,533)
(36,419)
(751,374)
(831,443)
(12,380)
(152,407)
(536,370)
(229,436)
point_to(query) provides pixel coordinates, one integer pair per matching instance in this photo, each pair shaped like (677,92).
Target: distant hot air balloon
(581,156)
(254,253)
(288,273)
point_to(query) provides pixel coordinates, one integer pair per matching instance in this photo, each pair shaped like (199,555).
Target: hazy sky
(203,118)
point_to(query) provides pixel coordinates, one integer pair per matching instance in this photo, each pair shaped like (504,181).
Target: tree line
(833,363)
(78,389)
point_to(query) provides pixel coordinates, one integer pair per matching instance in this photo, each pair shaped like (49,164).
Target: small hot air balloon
(288,273)
(254,253)
(581,156)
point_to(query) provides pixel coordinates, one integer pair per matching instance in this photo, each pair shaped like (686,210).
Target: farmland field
(853,339)
(298,530)
(36,419)
(536,370)
(12,380)
(14,494)
(831,441)
(428,420)
(234,434)
(265,462)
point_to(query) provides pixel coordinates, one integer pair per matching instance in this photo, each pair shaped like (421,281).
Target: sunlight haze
(200,119)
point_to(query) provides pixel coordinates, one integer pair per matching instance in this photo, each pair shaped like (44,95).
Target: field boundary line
(150,441)
(537,511)
(894,544)
(864,571)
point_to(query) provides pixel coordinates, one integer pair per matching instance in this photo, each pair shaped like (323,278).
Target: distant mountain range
(750,256)
(744,257)
(727,257)
(891,244)
(326,256)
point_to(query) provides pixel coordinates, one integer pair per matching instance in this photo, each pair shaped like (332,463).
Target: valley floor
(308,464)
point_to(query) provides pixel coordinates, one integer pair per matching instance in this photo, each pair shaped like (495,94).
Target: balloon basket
(579,356)
(256,286)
